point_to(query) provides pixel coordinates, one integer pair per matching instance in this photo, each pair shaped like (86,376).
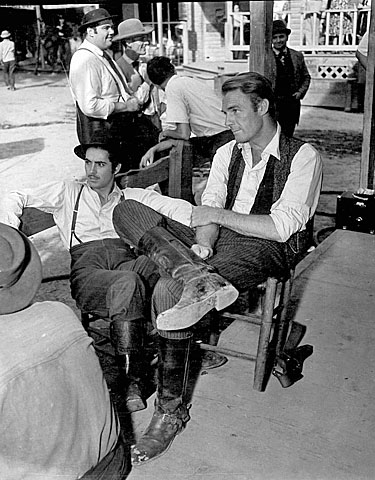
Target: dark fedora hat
(93,17)
(279,26)
(20,270)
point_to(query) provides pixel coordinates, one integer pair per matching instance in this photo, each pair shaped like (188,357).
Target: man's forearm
(260,226)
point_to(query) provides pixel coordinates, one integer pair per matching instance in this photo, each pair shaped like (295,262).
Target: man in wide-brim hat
(47,359)
(290,78)
(133,36)
(8,59)
(107,107)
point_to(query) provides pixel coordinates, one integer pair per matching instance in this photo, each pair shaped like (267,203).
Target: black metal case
(356,211)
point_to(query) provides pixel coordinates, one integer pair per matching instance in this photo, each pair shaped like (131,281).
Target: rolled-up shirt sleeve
(215,193)
(47,198)
(174,208)
(300,195)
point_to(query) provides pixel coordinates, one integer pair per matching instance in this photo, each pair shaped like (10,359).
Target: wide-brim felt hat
(93,17)
(279,26)
(5,34)
(131,27)
(20,270)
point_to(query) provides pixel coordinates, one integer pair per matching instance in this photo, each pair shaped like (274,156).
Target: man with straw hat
(133,36)
(57,419)
(107,107)
(8,59)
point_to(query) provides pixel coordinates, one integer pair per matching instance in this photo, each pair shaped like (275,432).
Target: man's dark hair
(257,86)
(114,152)
(160,69)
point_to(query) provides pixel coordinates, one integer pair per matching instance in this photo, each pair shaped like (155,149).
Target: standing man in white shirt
(262,190)
(107,108)
(8,59)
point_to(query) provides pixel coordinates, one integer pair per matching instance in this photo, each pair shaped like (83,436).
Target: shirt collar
(116,192)
(93,48)
(271,149)
(280,52)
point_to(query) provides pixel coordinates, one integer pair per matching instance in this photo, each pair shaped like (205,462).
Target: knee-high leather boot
(203,288)
(127,340)
(171,411)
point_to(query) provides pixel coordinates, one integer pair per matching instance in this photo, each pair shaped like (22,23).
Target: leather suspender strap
(111,73)
(74,219)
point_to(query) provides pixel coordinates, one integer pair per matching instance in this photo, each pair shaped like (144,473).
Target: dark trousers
(204,148)
(9,70)
(287,114)
(109,280)
(114,466)
(244,261)
(135,133)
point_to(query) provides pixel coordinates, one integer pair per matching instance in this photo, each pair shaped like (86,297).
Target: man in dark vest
(262,190)
(290,79)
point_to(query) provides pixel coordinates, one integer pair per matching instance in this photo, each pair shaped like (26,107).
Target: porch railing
(331,30)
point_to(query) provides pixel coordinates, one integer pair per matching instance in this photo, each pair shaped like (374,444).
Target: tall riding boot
(171,411)
(127,340)
(203,288)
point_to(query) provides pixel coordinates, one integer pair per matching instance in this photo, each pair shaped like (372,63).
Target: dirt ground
(37,137)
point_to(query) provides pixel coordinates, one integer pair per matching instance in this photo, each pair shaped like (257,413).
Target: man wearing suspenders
(109,279)
(107,108)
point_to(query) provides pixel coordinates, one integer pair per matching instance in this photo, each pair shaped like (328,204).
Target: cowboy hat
(5,34)
(93,17)
(132,27)
(20,270)
(279,26)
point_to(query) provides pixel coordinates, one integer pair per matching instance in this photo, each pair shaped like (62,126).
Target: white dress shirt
(94,221)
(298,200)
(7,51)
(93,83)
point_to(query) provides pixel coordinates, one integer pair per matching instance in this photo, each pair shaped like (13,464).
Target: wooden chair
(173,173)
(273,322)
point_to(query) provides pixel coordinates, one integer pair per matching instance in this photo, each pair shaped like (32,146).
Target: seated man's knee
(127,295)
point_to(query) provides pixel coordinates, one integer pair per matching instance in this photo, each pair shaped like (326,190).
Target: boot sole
(179,320)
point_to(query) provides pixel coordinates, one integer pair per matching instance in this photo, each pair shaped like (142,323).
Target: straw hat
(20,270)
(93,17)
(5,34)
(279,26)
(132,27)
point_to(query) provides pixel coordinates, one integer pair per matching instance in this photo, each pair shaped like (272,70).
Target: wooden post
(260,37)
(159,13)
(368,141)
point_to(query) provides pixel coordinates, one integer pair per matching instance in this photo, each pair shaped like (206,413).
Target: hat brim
(20,295)
(146,31)
(83,27)
(5,36)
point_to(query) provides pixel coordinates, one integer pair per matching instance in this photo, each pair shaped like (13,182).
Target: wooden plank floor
(321,428)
